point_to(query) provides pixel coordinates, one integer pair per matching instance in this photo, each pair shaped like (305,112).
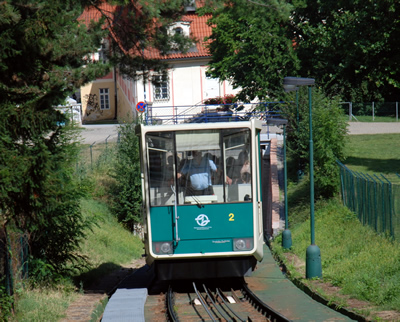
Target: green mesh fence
(14,253)
(373,199)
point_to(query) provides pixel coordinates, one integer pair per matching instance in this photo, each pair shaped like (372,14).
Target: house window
(161,88)
(103,53)
(104,99)
(178,30)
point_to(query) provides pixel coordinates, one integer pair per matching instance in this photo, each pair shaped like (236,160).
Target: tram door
(161,168)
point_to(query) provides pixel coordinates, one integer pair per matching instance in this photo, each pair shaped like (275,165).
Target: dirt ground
(328,291)
(85,307)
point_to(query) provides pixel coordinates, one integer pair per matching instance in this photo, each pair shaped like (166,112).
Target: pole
(313,253)
(311,168)
(286,234)
(297,111)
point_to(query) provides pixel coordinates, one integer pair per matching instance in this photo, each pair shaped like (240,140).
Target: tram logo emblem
(202,220)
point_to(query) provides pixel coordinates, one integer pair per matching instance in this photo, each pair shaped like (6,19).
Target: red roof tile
(198,30)
(94,14)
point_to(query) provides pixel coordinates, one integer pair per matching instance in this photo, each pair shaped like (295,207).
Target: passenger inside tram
(198,172)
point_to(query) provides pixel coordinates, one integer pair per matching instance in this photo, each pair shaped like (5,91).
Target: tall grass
(363,264)
(108,244)
(43,304)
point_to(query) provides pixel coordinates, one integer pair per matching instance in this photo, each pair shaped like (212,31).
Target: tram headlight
(162,248)
(241,244)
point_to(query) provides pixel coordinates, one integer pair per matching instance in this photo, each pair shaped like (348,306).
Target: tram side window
(238,165)
(161,166)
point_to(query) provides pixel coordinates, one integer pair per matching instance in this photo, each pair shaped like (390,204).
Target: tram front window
(199,167)
(200,172)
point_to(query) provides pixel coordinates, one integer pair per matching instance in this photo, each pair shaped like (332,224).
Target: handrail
(177,239)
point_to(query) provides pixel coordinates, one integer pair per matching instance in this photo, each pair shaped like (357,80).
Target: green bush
(6,303)
(126,193)
(329,137)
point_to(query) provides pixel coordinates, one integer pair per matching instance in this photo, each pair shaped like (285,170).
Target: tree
(250,47)
(141,34)
(329,135)
(350,47)
(44,57)
(42,60)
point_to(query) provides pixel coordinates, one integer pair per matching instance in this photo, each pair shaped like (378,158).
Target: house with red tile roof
(185,88)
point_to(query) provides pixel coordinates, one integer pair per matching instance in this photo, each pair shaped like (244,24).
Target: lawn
(374,154)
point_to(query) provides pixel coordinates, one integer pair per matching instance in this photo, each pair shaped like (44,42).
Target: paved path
(373,127)
(99,133)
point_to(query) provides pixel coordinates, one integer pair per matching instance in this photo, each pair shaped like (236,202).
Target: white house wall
(187,88)
(127,98)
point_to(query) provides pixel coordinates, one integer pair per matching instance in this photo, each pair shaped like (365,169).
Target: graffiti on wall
(92,104)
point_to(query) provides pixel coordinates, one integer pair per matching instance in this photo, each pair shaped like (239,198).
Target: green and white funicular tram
(197,231)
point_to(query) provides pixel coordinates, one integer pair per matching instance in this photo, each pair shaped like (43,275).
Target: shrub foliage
(126,195)
(329,137)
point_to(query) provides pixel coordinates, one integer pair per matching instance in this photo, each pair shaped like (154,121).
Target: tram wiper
(197,200)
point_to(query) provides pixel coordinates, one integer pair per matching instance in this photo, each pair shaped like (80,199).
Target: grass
(43,304)
(108,245)
(369,118)
(374,154)
(363,264)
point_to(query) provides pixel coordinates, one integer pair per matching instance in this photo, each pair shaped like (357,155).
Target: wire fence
(14,253)
(372,111)
(94,156)
(373,199)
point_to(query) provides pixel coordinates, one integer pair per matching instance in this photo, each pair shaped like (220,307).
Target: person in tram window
(198,173)
(245,174)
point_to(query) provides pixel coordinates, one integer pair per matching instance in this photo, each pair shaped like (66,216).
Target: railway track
(222,301)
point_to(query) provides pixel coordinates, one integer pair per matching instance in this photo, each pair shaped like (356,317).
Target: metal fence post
(373,111)
(383,222)
(375,203)
(91,154)
(390,206)
(107,147)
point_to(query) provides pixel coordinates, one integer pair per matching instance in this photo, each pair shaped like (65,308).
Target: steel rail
(171,316)
(201,299)
(220,311)
(270,312)
(221,295)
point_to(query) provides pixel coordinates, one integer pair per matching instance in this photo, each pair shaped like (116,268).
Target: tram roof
(256,123)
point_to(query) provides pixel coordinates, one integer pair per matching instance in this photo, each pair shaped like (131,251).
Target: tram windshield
(198,167)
